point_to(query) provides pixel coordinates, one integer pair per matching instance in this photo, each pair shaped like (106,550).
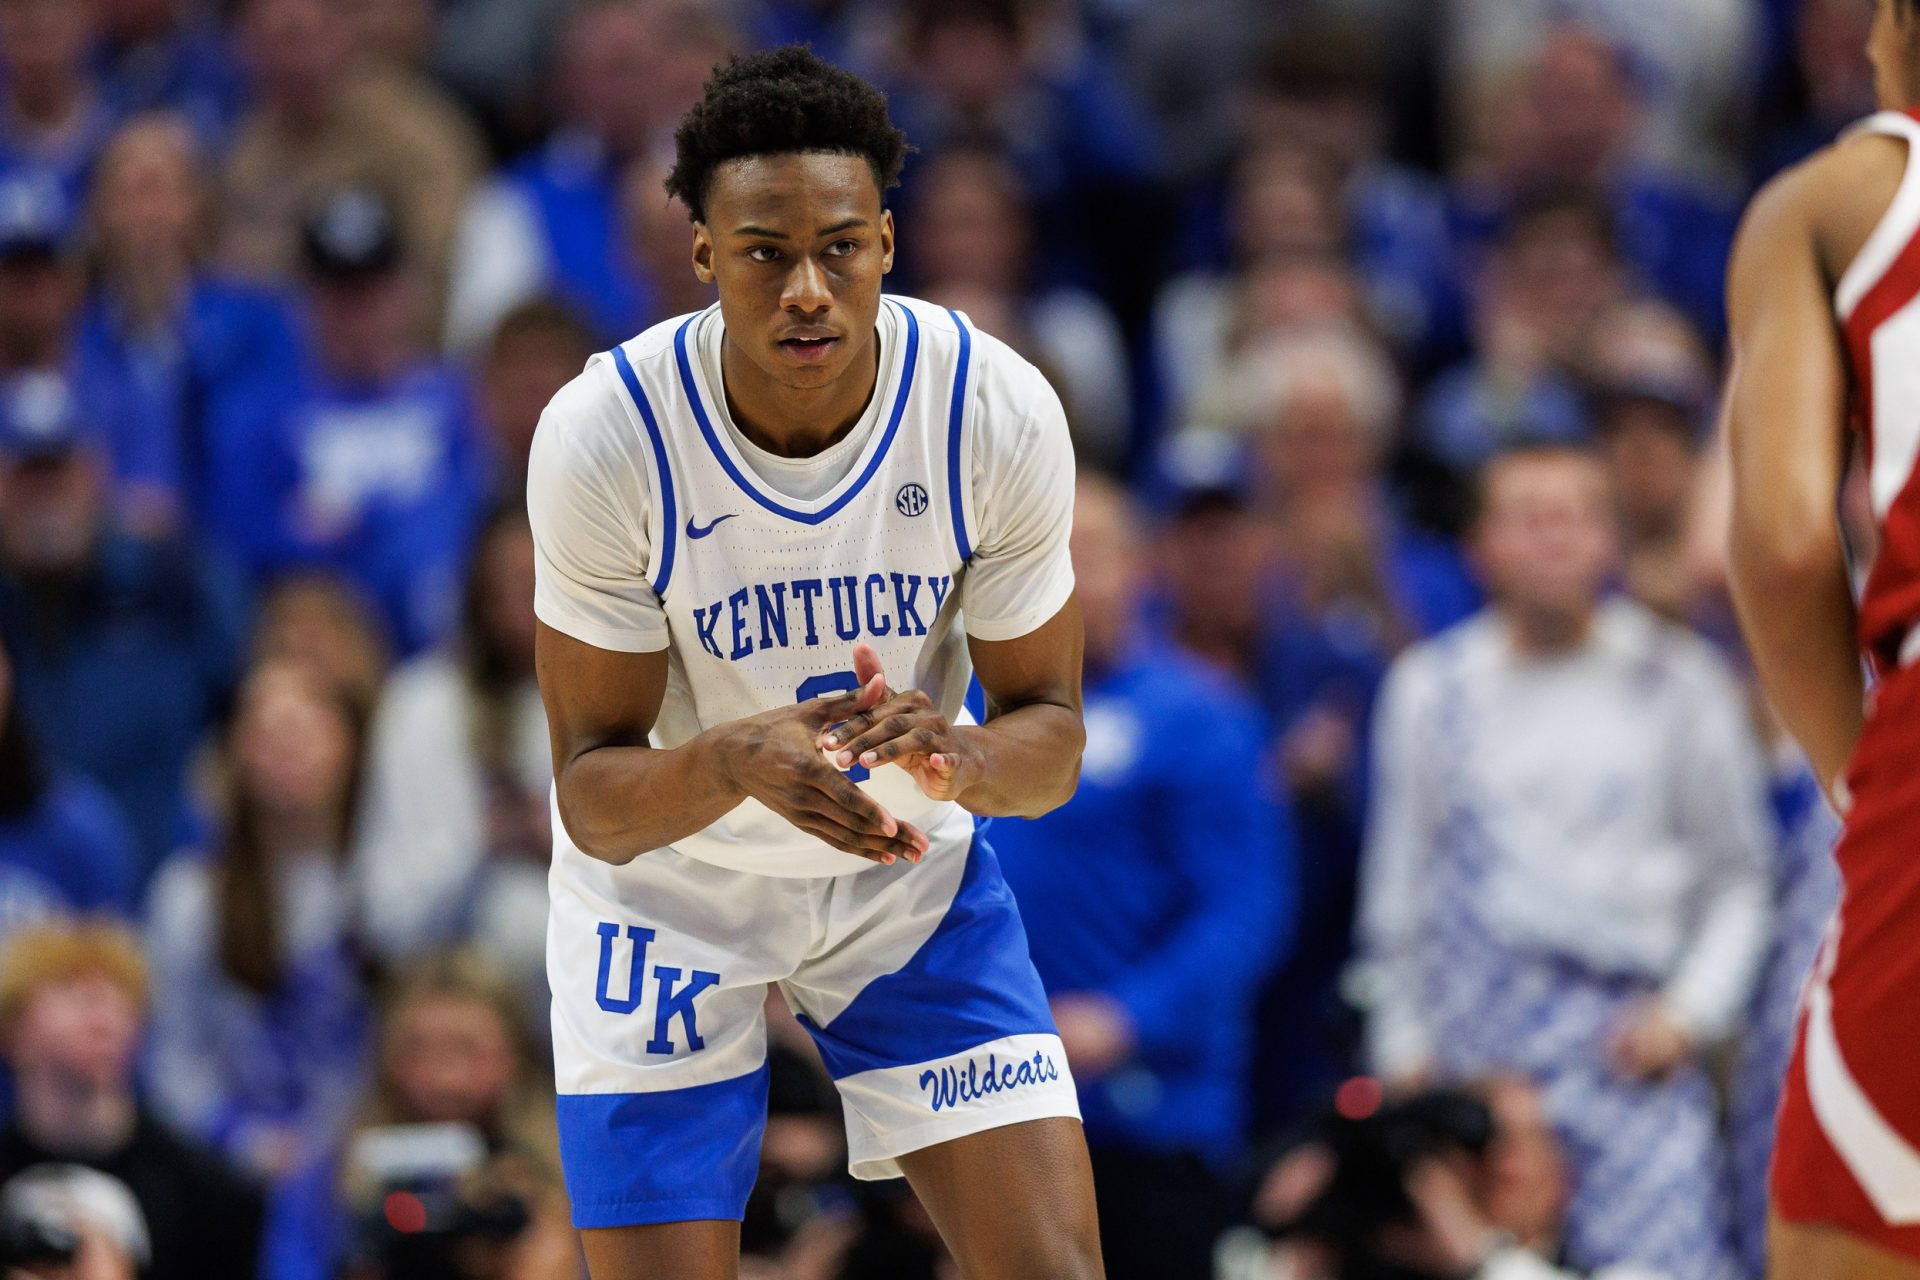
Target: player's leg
(1014,1203)
(660,1057)
(1845,1177)
(669,1251)
(934,1026)
(1796,1252)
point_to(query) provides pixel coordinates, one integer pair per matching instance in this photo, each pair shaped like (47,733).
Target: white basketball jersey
(765,596)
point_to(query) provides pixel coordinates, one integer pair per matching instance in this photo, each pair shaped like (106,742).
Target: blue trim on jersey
(971,982)
(677,1155)
(955,417)
(746,485)
(669,517)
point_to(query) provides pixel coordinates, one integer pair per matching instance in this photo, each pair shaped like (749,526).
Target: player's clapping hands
(775,758)
(903,729)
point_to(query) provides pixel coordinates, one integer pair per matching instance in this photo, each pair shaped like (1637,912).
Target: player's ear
(886,241)
(702,253)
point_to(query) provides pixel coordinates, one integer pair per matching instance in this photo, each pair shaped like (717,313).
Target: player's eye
(843,248)
(763,253)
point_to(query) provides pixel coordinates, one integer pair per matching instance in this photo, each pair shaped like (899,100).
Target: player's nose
(807,289)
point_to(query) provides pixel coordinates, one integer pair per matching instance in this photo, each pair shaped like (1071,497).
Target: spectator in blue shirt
(987,73)
(1157,899)
(556,222)
(537,348)
(1555,269)
(53,117)
(374,466)
(1574,122)
(169,55)
(186,355)
(64,847)
(42,288)
(124,648)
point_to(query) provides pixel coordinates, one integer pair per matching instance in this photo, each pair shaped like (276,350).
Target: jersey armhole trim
(957,489)
(1897,226)
(669,516)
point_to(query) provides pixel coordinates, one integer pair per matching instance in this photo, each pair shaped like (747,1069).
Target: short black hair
(1553,205)
(784,100)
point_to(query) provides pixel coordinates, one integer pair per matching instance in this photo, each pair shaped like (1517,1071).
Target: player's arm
(1023,624)
(601,655)
(1786,412)
(620,797)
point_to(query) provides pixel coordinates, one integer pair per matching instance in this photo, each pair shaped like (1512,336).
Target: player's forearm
(1797,607)
(620,802)
(1030,761)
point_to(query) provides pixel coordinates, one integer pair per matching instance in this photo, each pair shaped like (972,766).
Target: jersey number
(834,682)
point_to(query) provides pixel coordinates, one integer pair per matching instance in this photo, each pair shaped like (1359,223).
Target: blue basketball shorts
(914,981)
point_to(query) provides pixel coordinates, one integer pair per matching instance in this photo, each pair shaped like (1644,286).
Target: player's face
(798,245)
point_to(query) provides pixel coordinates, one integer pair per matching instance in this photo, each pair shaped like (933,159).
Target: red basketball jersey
(1878,304)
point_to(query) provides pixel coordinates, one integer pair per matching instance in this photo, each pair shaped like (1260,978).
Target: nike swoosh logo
(697,531)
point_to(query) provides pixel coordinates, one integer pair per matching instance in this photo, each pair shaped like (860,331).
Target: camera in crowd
(59,1221)
(35,1247)
(1363,1151)
(437,1204)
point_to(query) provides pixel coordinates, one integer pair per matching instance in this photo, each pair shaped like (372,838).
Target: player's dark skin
(798,245)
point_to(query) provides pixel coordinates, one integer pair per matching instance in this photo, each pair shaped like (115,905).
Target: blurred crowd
(1437,892)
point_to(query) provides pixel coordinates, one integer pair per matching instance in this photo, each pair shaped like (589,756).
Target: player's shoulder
(654,346)
(1835,197)
(593,414)
(1005,385)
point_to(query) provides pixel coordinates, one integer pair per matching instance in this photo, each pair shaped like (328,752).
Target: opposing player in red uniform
(1825,298)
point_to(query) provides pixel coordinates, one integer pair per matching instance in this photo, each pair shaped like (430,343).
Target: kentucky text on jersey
(799,611)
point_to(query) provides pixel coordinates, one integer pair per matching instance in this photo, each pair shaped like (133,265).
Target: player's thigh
(1797,1252)
(669,1251)
(1013,1203)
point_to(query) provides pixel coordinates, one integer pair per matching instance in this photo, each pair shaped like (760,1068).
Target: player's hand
(905,729)
(1650,1042)
(775,758)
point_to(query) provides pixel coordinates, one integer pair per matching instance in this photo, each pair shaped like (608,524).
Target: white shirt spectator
(422,838)
(1620,792)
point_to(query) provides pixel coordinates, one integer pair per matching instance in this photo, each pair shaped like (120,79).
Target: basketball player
(774,540)
(1825,299)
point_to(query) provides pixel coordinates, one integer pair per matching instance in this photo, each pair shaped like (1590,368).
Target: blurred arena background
(1395,327)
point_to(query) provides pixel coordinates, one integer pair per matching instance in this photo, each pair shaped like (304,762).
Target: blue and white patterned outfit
(1555,839)
(1805,892)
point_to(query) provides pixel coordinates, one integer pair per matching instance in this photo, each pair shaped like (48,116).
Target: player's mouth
(810,349)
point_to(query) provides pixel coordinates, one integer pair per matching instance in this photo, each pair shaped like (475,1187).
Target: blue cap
(41,417)
(36,219)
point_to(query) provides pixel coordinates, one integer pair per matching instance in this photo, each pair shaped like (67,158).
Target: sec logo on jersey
(911,500)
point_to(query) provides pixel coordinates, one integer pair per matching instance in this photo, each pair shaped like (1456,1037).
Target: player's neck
(796,422)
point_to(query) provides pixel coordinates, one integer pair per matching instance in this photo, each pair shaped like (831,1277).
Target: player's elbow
(1785,549)
(599,840)
(1060,794)
(1065,783)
